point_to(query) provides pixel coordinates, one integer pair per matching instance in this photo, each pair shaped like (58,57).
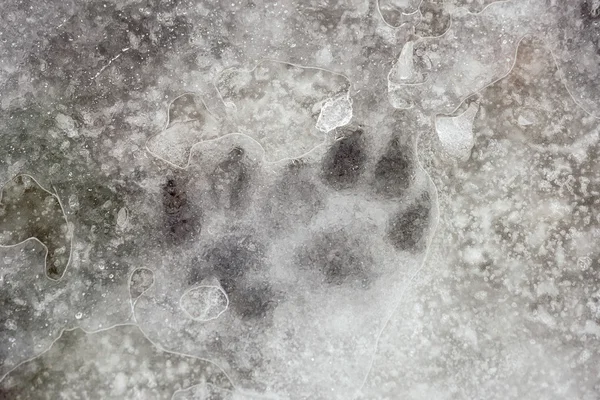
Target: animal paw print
(280,248)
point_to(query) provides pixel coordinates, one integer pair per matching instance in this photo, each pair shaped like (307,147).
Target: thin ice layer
(189,122)
(34,307)
(456,133)
(572,29)
(506,306)
(278,104)
(30,211)
(75,367)
(463,61)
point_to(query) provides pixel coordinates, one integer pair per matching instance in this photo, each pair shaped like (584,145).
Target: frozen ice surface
(403,71)
(189,122)
(277,104)
(116,363)
(456,133)
(205,302)
(391,199)
(30,211)
(335,113)
(507,296)
(141,280)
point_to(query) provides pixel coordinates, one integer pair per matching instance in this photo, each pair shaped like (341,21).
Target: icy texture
(403,71)
(276,104)
(335,113)
(572,32)
(205,302)
(141,280)
(464,59)
(456,133)
(389,199)
(507,297)
(189,122)
(29,211)
(114,364)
